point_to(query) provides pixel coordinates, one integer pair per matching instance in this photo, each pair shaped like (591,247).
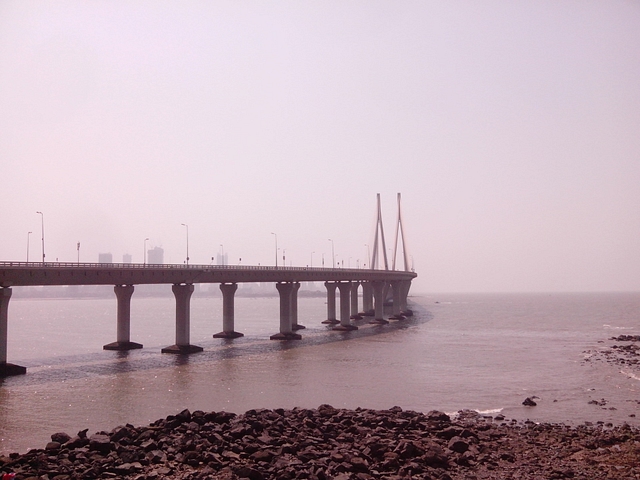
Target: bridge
(377,284)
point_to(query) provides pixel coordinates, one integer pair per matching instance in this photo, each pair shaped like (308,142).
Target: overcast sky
(512,130)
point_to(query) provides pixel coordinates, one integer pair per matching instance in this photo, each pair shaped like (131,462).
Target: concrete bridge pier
(345,296)
(354,301)
(286,331)
(378,287)
(228,311)
(6,369)
(331,303)
(406,286)
(182,292)
(367,300)
(123,334)
(294,308)
(396,290)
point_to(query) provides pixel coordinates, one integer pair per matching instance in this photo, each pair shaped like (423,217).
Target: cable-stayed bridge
(377,286)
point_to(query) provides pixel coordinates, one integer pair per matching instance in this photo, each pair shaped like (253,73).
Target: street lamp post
(333,255)
(187,227)
(276,248)
(28,234)
(42,220)
(144,256)
(78,247)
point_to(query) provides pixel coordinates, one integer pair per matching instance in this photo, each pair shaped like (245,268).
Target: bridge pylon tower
(379,236)
(400,236)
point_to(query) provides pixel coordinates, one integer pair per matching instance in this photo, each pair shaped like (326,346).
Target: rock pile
(329,443)
(625,353)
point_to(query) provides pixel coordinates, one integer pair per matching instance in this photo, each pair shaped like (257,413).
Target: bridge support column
(183,321)
(123,334)
(6,369)
(286,331)
(331,303)
(378,296)
(294,308)
(354,301)
(228,311)
(345,295)
(367,299)
(404,311)
(396,289)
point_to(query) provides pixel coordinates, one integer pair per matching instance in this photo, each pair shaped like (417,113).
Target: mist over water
(484,352)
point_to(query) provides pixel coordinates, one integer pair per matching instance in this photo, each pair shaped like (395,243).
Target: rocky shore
(331,443)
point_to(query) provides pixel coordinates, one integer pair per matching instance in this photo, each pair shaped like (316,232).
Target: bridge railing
(151,266)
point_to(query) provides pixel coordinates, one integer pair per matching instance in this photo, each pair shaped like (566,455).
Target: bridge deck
(54,273)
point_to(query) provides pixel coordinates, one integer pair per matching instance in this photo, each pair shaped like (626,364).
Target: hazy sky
(512,130)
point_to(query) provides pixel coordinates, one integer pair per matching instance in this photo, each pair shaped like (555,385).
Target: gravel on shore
(330,443)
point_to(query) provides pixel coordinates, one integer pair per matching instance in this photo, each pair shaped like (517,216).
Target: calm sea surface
(486,352)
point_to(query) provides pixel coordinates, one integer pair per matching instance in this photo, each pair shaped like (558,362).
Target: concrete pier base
(6,369)
(9,369)
(379,321)
(286,336)
(183,312)
(122,346)
(228,311)
(228,335)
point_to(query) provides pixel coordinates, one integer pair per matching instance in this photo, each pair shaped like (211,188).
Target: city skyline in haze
(512,131)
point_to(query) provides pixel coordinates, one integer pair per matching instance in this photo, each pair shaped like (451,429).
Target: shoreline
(330,443)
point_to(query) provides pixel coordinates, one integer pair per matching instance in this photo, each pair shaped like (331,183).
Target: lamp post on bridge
(187,227)
(368,254)
(276,235)
(28,234)
(144,261)
(333,255)
(78,247)
(42,220)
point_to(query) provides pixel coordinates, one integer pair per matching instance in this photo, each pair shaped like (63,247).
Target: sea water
(486,352)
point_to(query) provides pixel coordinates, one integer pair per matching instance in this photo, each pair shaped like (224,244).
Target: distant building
(126,258)
(222,259)
(105,258)
(155,256)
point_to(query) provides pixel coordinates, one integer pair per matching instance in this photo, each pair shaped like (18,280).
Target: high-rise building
(155,256)
(126,258)
(105,258)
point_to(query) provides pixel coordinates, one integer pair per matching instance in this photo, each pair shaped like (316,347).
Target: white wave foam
(630,375)
(615,328)
(491,411)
